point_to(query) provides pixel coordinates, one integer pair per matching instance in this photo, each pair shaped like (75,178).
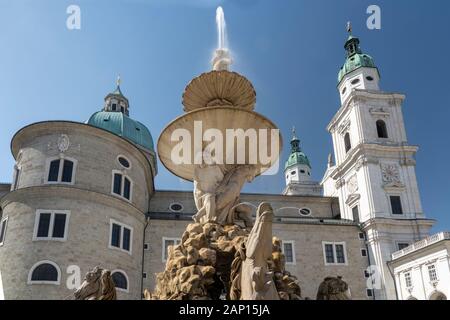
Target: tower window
(16,177)
(355,213)
(344,90)
(113,107)
(121,236)
(293,172)
(51,225)
(363,253)
(355,81)
(381,129)
(432,273)
(120,280)
(121,185)
(396,205)
(124,162)
(347,142)
(44,272)
(369,78)
(408,281)
(305,211)
(61,171)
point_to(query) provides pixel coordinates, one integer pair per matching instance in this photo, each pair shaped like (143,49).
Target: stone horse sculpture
(97,285)
(333,288)
(250,275)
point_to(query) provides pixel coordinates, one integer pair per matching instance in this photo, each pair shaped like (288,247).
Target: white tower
(374,175)
(297,172)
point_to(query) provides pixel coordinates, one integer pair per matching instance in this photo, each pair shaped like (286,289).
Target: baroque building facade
(83,195)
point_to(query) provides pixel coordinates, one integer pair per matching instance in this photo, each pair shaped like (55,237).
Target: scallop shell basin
(222,85)
(220,118)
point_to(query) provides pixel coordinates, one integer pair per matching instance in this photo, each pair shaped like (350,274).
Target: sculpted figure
(97,285)
(251,277)
(333,288)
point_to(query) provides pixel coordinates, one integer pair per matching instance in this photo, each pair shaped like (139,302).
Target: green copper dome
(123,126)
(355,58)
(297,157)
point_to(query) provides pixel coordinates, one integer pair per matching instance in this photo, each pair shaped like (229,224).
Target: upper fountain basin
(219,88)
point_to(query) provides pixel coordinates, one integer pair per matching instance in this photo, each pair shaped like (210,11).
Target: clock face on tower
(390,173)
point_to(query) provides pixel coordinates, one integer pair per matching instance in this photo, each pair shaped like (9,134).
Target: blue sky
(291,50)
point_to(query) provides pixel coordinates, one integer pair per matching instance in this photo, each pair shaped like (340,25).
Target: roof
(123,126)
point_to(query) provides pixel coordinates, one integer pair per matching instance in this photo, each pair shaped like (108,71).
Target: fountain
(223,253)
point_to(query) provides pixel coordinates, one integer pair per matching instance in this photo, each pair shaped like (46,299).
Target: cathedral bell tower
(374,175)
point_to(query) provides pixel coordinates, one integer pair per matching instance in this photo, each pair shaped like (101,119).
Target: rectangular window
(340,258)
(54,171)
(122,185)
(166,243)
(121,236)
(355,213)
(432,273)
(369,292)
(59,225)
(51,225)
(329,253)
(334,253)
(288,251)
(67,171)
(61,171)
(361,236)
(126,239)
(408,281)
(3,229)
(396,205)
(363,253)
(144,275)
(126,188)
(366,274)
(117,184)
(16,178)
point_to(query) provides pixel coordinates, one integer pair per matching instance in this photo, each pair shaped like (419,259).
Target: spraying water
(221,59)
(221,29)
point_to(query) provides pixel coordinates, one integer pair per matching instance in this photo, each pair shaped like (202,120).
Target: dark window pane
(340,258)
(54,170)
(120,280)
(288,252)
(126,188)
(67,171)
(16,179)
(117,183)
(113,107)
(2,230)
(348,144)
(44,225)
(396,205)
(115,236)
(45,272)
(381,129)
(126,239)
(402,246)
(355,213)
(329,255)
(59,225)
(124,162)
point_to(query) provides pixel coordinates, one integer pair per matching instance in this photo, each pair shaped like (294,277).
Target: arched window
(381,129)
(348,144)
(120,280)
(44,272)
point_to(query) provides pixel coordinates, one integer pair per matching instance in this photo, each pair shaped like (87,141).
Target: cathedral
(83,195)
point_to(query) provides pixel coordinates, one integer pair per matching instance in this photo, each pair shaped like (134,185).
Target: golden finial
(118,80)
(349,27)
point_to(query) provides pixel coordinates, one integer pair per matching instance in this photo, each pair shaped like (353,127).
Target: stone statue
(333,288)
(251,277)
(97,285)
(216,194)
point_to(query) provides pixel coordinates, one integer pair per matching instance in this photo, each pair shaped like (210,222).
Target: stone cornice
(365,153)
(359,95)
(70,192)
